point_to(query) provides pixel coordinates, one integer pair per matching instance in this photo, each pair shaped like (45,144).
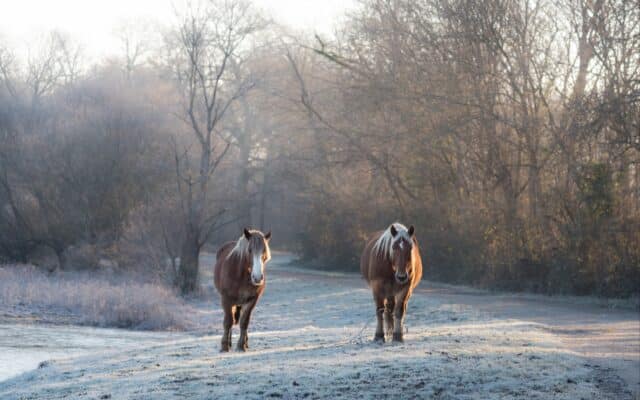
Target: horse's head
(402,253)
(258,253)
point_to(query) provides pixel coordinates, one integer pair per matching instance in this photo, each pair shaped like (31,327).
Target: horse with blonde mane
(392,266)
(239,277)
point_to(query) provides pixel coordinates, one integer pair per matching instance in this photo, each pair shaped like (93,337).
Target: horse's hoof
(224,348)
(378,338)
(397,337)
(243,345)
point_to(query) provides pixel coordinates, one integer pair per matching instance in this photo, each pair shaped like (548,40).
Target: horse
(392,266)
(240,279)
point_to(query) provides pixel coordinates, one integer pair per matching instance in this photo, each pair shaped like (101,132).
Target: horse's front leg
(398,315)
(245,316)
(388,315)
(379,300)
(227,324)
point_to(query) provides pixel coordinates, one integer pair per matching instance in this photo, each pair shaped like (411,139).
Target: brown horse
(392,267)
(240,279)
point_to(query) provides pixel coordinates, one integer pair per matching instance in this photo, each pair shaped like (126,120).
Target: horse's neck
(239,263)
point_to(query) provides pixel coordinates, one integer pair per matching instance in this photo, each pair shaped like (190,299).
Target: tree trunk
(244,207)
(244,141)
(534,187)
(62,258)
(263,197)
(189,264)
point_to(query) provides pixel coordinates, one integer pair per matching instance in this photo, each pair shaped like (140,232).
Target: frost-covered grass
(310,338)
(89,298)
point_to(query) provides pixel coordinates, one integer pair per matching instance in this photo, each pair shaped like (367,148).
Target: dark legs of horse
(379,337)
(245,316)
(388,316)
(227,323)
(398,316)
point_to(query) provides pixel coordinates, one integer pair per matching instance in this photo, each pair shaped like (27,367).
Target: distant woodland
(507,132)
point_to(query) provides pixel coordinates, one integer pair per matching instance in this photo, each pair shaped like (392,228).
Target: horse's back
(221,256)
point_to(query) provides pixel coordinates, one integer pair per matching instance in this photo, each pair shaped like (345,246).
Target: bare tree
(136,40)
(55,62)
(209,38)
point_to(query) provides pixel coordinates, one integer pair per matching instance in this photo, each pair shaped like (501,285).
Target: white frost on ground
(310,337)
(24,346)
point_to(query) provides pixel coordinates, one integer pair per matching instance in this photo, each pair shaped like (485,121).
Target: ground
(311,337)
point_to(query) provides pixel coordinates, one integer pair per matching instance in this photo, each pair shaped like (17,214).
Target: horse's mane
(383,247)
(241,249)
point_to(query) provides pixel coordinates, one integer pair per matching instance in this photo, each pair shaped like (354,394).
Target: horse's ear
(267,237)
(393,230)
(411,230)
(247,234)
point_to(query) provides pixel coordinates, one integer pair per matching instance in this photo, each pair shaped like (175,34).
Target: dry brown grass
(93,299)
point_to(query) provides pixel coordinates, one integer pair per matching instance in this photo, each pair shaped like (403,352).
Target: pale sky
(92,22)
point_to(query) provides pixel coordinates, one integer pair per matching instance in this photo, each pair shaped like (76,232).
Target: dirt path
(311,338)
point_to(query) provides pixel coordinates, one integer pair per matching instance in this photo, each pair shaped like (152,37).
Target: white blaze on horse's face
(259,254)
(257,269)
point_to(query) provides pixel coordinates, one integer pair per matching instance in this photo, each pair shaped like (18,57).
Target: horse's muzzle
(258,283)
(402,278)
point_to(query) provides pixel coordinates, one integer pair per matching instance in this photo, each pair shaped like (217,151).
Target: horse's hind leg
(236,314)
(388,315)
(245,316)
(227,324)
